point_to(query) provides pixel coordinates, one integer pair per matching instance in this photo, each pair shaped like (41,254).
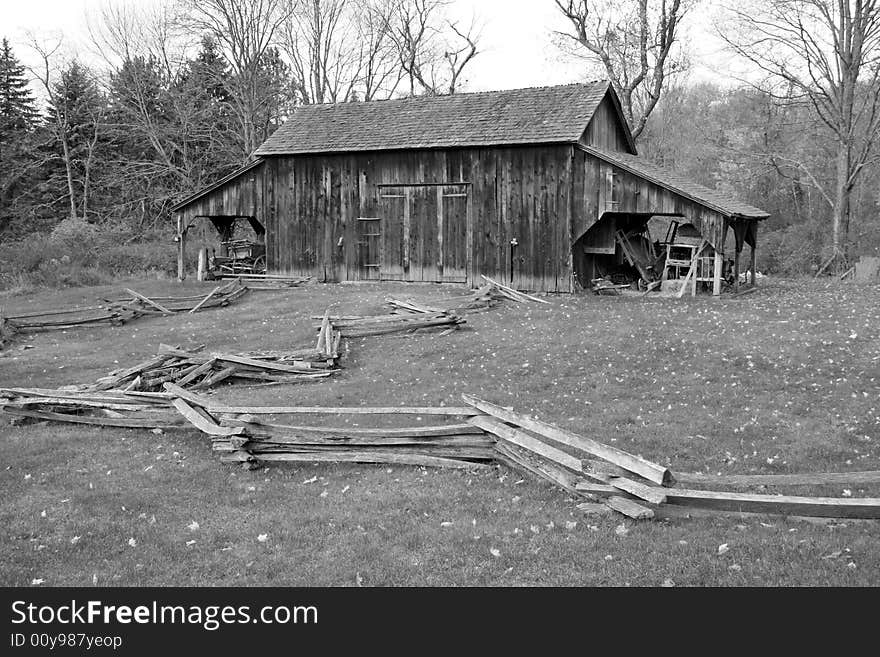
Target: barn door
(453,212)
(424,240)
(394,215)
(424,232)
(369,248)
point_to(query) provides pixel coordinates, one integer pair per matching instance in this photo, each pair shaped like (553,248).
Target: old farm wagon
(538,188)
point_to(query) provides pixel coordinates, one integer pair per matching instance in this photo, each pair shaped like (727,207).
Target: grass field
(785,380)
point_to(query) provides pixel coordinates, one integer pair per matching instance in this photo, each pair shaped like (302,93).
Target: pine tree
(18,138)
(17,111)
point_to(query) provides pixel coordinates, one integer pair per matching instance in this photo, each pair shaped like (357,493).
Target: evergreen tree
(18,123)
(17,111)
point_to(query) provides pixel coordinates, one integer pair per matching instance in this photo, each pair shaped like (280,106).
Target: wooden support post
(716,279)
(751,237)
(754,278)
(181,249)
(736,270)
(203,264)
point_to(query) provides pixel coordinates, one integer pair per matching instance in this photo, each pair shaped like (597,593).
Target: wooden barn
(539,188)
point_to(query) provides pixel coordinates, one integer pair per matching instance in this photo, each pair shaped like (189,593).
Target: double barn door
(420,234)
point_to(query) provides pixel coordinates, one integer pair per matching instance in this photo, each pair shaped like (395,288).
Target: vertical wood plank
(440,245)
(406,232)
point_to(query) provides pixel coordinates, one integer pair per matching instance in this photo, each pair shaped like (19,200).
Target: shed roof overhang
(192,198)
(712,199)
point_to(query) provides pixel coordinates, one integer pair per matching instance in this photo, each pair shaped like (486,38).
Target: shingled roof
(539,115)
(722,202)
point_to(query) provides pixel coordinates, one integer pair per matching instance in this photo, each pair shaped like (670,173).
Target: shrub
(77,253)
(129,259)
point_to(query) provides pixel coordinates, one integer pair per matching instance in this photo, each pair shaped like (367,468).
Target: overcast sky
(517,42)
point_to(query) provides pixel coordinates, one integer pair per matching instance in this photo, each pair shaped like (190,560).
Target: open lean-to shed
(533,187)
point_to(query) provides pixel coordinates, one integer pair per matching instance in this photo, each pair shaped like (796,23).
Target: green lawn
(785,380)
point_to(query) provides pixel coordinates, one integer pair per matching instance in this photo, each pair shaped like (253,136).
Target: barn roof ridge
(528,115)
(458,94)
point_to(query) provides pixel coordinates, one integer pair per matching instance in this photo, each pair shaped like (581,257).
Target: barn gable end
(608,129)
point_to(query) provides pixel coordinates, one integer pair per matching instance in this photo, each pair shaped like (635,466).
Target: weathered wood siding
(440,215)
(605,129)
(600,187)
(242,196)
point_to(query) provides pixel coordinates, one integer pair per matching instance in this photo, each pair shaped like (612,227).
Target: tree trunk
(842,191)
(68,166)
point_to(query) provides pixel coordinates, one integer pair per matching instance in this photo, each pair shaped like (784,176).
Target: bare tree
(380,72)
(433,50)
(828,53)
(139,44)
(121,31)
(320,39)
(246,30)
(635,42)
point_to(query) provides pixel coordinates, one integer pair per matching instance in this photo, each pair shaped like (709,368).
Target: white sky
(517,45)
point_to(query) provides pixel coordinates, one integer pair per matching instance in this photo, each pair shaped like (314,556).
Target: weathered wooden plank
(629,508)
(798,479)
(395,458)
(169,422)
(426,431)
(116,396)
(652,494)
(308,439)
(472,453)
(822,507)
(206,299)
(522,439)
(196,372)
(336,410)
(201,423)
(25,402)
(297,367)
(523,459)
(521,296)
(217,377)
(149,302)
(191,397)
(650,471)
